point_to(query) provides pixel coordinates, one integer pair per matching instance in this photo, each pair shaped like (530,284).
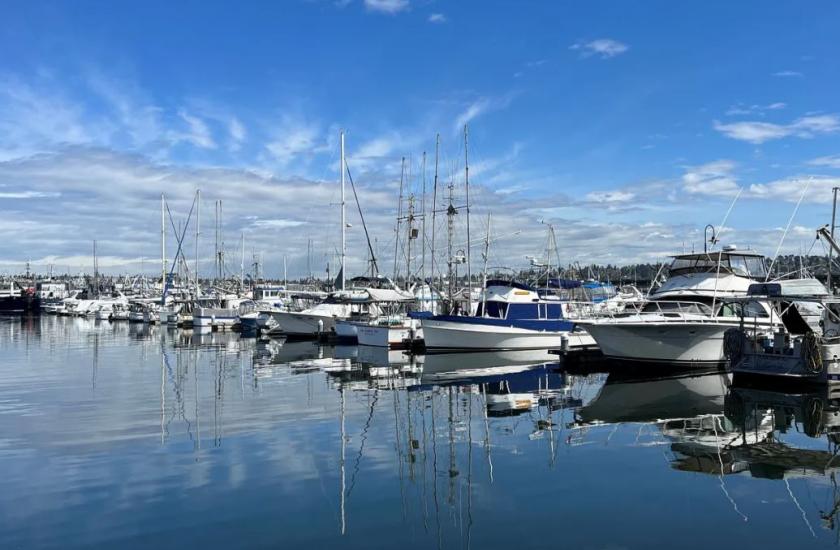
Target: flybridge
(744,263)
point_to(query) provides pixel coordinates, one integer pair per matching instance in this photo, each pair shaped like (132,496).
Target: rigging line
(720,477)
(362,445)
(790,221)
(364,225)
(726,217)
(801,511)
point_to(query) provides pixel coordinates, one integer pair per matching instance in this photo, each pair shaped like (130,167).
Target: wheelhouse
(740,263)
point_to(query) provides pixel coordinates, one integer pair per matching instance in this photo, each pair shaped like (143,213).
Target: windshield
(663,306)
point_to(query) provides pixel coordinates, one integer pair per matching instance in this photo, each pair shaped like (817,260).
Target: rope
(811,352)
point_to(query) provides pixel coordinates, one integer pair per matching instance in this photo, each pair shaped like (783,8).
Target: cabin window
(497,310)
(756,267)
(664,306)
(738,265)
(754,309)
(730,310)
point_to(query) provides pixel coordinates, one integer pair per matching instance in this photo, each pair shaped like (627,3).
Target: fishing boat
(17,299)
(683,321)
(804,348)
(222,312)
(511,315)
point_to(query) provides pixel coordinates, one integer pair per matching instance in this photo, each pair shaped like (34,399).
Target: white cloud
(237,133)
(758,132)
(27,195)
(788,74)
(754,109)
(610,196)
(277,224)
(829,161)
(387,6)
(603,47)
(713,178)
(789,189)
(479,107)
(198,133)
(296,139)
(437,18)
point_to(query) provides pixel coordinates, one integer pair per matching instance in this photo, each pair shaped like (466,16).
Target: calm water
(126,436)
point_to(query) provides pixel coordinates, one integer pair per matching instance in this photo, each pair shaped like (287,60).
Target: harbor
(415,274)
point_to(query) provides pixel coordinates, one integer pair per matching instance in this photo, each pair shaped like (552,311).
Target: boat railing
(662,310)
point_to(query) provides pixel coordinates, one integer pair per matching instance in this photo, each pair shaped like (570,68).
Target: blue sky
(629,126)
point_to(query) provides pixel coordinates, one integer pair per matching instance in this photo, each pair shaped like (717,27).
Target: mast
(197,234)
(343,220)
(162,243)
(285,276)
(423,224)
(830,250)
(399,215)
(469,245)
(95,271)
(242,266)
(216,247)
(434,211)
(484,278)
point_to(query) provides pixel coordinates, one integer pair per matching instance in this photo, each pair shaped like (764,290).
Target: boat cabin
(512,300)
(743,263)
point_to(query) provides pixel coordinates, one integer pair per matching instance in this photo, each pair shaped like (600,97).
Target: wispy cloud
(713,178)
(197,133)
(758,132)
(479,107)
(605,48)
(832,161)
(296,139)
(387,6)
(437,18)
(741,109)
(788,74)
(237,134)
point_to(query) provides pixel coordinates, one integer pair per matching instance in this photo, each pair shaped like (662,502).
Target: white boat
(510,316)
(223,313)
(387,332)
(685,319)
(321,319)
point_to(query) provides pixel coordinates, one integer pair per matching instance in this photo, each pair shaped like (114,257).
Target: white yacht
(684,320)
(321,319)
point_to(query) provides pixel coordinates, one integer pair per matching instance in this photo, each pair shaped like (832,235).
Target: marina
(362,274)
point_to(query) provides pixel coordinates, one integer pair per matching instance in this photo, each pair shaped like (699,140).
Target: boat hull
(215,317)
(673,343)
(17,305)
(346,331)
(452,335)
(383,336)
(303,325)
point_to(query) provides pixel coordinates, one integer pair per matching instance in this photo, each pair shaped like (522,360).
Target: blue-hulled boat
(511,315)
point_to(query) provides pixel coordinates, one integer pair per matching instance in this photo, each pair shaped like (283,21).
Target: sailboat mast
(830,250)
(242,266)
(469,244)
(434,209)
(95,271)
(343,219)
(423,224)
(197,234)
(399,215)
(162,242)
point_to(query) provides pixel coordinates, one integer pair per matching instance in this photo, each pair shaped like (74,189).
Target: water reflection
(267,442)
